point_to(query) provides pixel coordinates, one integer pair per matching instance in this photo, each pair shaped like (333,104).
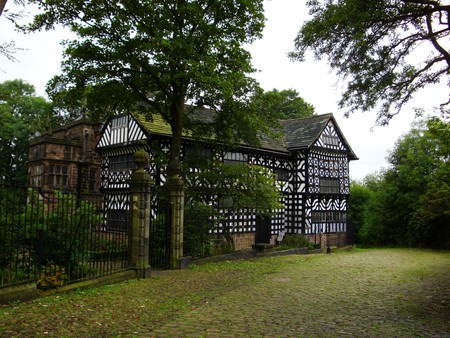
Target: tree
(156,56)
(21,115)
(2,6)
(8,49)
(285,104)
(358,200)
(236,187)
(371,44)
(365,210)
(433,213)
(409,202)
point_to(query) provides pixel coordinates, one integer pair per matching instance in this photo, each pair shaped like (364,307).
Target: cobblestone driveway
(372,293)
(378,293)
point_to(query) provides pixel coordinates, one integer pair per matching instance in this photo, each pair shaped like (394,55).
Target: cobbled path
(362,293)
(380,293)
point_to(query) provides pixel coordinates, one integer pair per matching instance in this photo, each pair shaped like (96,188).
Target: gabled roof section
(295,134)
(304,133)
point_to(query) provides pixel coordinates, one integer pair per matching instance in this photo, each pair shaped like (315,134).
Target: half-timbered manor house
(310,160)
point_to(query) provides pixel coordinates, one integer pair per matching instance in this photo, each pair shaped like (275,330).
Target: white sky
(312,79)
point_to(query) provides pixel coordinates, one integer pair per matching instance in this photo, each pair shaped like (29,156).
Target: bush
(59,231)
(197,232)
(293,241)
(52,277)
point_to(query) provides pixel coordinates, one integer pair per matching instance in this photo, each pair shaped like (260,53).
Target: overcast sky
(40,61)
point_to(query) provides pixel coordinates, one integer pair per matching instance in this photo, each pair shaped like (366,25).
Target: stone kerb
(139,233)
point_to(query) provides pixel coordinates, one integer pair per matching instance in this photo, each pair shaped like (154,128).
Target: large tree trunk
(2,6)
(175,185)
(176,123)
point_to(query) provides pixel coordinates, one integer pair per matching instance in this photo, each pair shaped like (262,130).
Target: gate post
(139,231)
(175,190)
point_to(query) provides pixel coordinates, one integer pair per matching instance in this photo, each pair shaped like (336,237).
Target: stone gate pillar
(175,190)
(139,232)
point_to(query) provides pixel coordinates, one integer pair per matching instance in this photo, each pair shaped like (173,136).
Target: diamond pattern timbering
(327,165)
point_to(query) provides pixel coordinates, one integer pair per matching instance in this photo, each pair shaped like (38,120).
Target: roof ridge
(307,117)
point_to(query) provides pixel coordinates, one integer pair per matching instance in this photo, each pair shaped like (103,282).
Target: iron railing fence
(53,238)
(159,255)
(199,239)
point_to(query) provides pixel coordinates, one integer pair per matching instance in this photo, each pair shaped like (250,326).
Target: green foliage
(293,241)
(21,114)
(236,188)
(357,205)
(408,204)
(365,211)
(12,205)
(38,231)
(198,223)
(371,44)
(433,212)
(284,104)
(239,186)
(154,56)
(59,232)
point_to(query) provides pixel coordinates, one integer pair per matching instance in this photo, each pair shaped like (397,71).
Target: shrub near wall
(292,241)
(54,239)
(198,224)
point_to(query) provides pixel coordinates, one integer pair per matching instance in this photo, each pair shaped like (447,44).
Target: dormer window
(119,122)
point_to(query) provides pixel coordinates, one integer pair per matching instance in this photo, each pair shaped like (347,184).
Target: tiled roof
(277,144)
(156,126)
(159,126)
(303,132)
(300,133)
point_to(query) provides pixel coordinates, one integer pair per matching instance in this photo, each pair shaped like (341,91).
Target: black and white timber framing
(311,162)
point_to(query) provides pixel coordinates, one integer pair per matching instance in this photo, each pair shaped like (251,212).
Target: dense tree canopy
(375,44)
(166,57)
(21,114)
(409,203)
(284,104)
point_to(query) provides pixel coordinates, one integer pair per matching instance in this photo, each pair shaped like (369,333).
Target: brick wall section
(338,239)
(243,241)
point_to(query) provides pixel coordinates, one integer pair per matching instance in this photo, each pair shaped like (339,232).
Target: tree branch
(434,41)
(2,6)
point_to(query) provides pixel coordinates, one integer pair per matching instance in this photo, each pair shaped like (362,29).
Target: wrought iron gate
(159,255)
